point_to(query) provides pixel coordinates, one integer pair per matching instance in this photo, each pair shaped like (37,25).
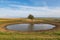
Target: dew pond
(30,27)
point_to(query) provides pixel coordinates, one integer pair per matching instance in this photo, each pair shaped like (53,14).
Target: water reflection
(30,27)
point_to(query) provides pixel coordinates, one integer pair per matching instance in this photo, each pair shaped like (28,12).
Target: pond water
(30,27)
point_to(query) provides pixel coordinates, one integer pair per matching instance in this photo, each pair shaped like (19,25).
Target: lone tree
(30,17)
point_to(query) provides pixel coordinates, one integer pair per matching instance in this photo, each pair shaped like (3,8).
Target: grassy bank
(29,36)
(53,34)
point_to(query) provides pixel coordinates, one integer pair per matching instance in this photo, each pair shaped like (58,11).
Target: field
(53,34)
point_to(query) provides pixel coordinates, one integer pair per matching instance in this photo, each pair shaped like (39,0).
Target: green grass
(29,36)
(44,35)
(29,39)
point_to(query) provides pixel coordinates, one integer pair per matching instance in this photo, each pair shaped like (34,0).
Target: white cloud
(24,11)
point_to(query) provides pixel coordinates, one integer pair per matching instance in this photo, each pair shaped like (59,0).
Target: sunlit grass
(15,35)
(28,36)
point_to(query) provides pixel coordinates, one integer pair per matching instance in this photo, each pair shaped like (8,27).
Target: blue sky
(22,8)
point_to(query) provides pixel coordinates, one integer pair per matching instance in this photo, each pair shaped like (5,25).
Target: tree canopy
(30,17)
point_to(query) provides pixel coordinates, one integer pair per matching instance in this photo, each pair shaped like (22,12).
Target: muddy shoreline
(54,29)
